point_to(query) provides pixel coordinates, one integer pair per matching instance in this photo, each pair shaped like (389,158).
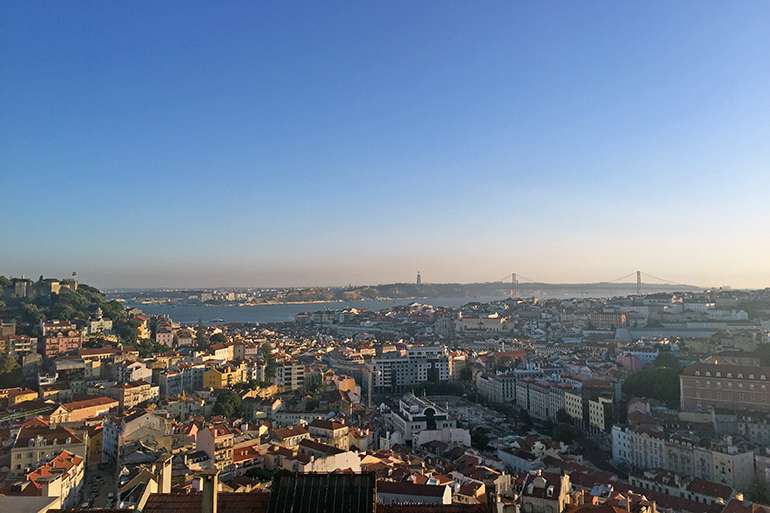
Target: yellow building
(14,396)
(221,377)
(95,444)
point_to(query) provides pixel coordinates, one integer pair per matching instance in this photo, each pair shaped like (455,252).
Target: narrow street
(100,483)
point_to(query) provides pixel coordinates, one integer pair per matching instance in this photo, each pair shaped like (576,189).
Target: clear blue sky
(320,143)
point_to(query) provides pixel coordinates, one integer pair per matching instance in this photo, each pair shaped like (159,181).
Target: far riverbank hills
(256,296)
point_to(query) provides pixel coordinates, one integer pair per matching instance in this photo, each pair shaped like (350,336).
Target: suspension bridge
(514,278)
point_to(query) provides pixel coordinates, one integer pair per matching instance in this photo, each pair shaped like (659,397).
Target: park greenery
(229,404)
(667,360)
(658,383)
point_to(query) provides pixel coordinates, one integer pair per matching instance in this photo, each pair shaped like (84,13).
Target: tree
(260,474)
(480,438)
(525,419)
(200,334)
(312,404)
(759,490)
(10,371)
(229,404)
(218,338)
(563,416)
(466,374)
(659,383)
(127,330)
(270,365)
(564,432)
(667,360)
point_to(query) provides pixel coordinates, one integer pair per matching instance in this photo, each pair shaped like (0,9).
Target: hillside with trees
(40,304)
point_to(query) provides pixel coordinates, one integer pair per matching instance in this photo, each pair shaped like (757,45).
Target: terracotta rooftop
(254,502)
(407,488)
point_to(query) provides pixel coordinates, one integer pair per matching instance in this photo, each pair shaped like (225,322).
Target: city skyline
(308,145)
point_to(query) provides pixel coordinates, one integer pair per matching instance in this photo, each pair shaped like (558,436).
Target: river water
(190,314)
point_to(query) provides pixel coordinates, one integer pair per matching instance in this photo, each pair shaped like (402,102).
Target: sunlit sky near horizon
(200,144)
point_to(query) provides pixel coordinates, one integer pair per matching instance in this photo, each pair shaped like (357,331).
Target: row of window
(741,396)
(730,375)
(730,385)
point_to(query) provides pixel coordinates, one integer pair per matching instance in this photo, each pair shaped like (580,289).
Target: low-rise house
(246,458)
(290,436)
(545,492)
(126,372)
(79,411)
(330,432)
(14,396)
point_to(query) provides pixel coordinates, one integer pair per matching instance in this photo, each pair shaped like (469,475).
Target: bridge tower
(638,283)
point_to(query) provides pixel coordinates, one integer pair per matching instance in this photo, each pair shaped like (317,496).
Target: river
(190,314)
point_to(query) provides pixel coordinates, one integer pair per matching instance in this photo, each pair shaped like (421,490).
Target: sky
(270,144)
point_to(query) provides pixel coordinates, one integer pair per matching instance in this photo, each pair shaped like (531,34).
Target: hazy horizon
(306,144)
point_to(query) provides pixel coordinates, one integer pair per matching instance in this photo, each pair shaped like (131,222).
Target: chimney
(210,491)
(51,486)
(162,470)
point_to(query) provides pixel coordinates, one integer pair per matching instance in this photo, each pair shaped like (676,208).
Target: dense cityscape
(653,402)
(384,257)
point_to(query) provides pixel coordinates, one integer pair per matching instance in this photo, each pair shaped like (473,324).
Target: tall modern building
(395,370)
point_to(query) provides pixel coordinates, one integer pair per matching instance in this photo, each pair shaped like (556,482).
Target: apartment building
(180,378)
(60,478)
(217,442)
(131,394)
(221,377)
(60,341)
(728,461)
(705,386)
(393,371)
(41,442)
(289,374)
